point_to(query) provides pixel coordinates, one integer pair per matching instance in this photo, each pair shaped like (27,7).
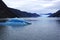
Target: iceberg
(16,22)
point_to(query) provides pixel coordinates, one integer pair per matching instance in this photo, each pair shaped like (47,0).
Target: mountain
(57,14)
(23,13)
(48,14)
(6,12)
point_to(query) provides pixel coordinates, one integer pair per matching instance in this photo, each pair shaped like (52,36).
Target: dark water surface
(40,29)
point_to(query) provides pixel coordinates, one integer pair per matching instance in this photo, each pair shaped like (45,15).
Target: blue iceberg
(16,22)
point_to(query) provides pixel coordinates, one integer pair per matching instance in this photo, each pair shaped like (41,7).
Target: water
(40,29)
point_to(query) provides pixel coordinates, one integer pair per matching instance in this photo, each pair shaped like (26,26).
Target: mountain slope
(57,14)
(23,13)
(5,12)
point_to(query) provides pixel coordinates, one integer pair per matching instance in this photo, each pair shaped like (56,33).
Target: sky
(34,6)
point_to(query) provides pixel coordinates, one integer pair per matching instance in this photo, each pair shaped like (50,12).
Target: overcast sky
(38,6)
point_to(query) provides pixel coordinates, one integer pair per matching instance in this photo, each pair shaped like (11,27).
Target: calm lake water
(40,29)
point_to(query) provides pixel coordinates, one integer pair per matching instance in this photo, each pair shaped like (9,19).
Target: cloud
(38,6)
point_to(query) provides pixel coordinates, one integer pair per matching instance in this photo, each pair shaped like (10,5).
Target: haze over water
(40,29)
